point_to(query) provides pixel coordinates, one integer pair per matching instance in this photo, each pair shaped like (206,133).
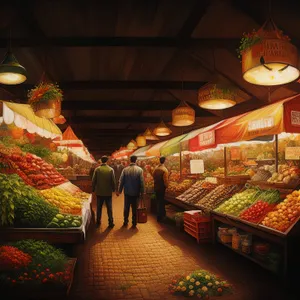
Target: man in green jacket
(104,184)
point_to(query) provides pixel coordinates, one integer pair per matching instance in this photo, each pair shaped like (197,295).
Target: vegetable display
(176,188)
(63,221)
(285,213)
(239,202)
(217,196)
(266,202)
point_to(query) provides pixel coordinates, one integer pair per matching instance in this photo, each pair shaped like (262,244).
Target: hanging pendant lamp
(216,96)
(132,145)
(150,136)
(141,140)
(268,57)
(11,72)
(162,129)
(183,115)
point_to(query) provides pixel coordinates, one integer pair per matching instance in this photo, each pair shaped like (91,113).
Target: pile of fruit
(265,203)
(34,171)
(176,188)
(285,213)
(196,192)
(217,196)
(63,200)
(63,221)
(240,201)
(286,174)
(174,176)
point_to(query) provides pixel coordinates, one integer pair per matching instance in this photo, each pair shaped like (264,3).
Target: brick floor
(126,263)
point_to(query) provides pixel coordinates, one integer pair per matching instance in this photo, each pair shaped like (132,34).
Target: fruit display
(261,175)
(239,202)
(284,214)
(63,200)
(174,176)
(196,192)
(68,171)
(266,202)
(217,196)
(63,221)
(176,188)
(286,175)
(235,168)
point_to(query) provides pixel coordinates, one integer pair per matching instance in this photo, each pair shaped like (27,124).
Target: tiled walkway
(125,263)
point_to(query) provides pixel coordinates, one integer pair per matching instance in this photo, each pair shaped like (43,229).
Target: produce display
(261,175)
(66,202)
(31,263)
(176,188)
(63,221)
(217,196)
(284,214)
(286,175)
(196,192)
(265,203)
(240,201)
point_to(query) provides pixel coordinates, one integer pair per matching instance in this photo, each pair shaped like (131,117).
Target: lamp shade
(162,129)
(150,136)
(141,141)
(11,72)
(216,96)
(183,115)
(132,145)
(272,59)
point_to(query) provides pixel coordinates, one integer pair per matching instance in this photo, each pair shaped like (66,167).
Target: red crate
(195,216)
(201,230)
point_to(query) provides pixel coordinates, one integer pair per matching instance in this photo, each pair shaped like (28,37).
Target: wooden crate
(198,229)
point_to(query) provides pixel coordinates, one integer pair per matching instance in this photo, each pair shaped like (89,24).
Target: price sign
(235,153)
(295,118)
(206,138)
(197,166)
(292,153)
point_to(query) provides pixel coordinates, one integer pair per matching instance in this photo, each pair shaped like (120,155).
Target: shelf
(249,257)
(180,203)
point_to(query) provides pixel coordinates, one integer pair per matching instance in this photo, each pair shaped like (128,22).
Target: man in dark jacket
(161,181)
(104,184)
(132,180)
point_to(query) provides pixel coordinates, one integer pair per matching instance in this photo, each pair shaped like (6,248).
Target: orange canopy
(69,134)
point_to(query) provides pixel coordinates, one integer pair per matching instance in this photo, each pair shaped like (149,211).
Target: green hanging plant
(248,40)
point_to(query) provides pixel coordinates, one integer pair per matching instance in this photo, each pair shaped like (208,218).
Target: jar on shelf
(236,241)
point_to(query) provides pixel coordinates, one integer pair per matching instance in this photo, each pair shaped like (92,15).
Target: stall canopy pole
(225,162)
(276,152)
(180,161)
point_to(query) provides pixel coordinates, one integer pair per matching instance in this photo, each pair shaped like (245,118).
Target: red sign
(206,138)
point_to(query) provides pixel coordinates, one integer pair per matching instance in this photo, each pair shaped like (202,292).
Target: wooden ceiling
(124,65)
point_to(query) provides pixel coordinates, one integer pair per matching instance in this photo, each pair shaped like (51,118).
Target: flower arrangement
(248,40)
(201,284)
(12,258)
(44,92)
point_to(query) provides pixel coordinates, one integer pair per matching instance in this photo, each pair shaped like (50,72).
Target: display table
(84,182)
(179,203)
(52,235)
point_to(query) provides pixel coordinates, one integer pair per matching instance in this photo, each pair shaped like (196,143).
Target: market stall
(36,200)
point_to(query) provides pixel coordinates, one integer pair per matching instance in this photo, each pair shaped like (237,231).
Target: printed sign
(295,118)
(235,153)
(197,166)
(262,123)
(292,153)
(206,138)
(213,180)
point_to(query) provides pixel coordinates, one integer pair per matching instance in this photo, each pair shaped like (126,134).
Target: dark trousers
(160,200)
(130,201)
(108,203)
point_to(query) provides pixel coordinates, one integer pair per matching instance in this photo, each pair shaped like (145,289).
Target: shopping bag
(142,212)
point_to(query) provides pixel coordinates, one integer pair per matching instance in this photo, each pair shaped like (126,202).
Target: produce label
(197,166)
(295,118)
(206,138)
(235,153)
(292,153)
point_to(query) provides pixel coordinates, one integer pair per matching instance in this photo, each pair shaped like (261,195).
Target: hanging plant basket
(45,100)
(268,57)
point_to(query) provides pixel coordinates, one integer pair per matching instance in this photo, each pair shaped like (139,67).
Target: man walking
(161,181)
(104,184)
(132,180)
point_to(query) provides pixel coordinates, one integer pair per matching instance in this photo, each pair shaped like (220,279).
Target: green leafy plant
(248,40)
(38,150)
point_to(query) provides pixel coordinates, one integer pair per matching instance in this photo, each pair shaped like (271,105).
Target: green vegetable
(59,217)
(55,220)
(53,225)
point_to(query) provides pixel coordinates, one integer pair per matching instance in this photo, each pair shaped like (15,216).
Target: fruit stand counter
(52,235)
(83,182)
(282,242)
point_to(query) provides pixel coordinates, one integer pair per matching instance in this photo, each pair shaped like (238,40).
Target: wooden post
(180,161)
(276,152)
(225,162)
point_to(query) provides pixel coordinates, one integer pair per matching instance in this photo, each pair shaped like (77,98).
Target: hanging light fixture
(216,96)
(141,140)
(132,145)
(268,57)
(11,72)
(150,136)
(162,129)
(183,115)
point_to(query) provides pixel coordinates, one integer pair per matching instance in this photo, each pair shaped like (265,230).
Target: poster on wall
(197,166)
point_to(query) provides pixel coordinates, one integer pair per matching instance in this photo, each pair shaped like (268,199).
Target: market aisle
(140,264)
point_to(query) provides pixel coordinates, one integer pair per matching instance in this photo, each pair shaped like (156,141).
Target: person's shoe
(111,225)
(133,226)
(98,224)
(125,224)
